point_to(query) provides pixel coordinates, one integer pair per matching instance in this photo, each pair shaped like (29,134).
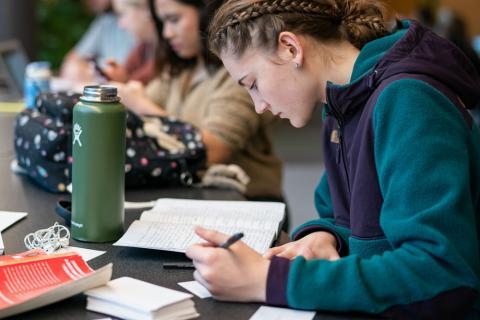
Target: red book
(32,279)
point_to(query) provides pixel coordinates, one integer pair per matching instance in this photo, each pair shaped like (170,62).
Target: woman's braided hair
(239,24)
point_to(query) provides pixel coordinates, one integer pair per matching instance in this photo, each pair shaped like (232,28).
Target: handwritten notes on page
(170,224)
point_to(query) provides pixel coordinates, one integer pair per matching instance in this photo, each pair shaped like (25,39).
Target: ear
(290,48)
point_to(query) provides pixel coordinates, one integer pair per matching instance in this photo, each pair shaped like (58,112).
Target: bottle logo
(76,224)
(77,131)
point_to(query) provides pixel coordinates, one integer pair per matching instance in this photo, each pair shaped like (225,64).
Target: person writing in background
(103,40)
(193,86)
(134,17)
(399,203)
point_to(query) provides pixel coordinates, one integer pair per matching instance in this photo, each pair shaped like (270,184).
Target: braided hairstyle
(239,24)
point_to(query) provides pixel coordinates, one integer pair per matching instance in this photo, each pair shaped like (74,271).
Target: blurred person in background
(192,85)
(103,40)
(451,26)
(134,16)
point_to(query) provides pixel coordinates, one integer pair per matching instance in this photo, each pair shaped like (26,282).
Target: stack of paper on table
(7,218)
(129,298)
(33,279)
(169,225)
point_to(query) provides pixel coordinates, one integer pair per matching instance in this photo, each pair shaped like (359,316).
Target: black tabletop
(17,193)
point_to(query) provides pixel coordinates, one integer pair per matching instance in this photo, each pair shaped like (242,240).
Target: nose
(261,106)
(167,31)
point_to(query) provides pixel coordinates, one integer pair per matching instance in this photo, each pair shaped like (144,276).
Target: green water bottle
(98,169)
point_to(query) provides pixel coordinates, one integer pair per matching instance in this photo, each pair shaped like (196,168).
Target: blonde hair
(239,24)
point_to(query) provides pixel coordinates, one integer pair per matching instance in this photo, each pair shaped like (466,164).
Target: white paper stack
(7,218)
(129,298)
(2,247)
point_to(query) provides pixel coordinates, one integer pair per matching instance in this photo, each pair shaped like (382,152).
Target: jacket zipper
(342,151)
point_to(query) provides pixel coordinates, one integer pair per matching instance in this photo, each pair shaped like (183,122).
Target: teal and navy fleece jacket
(401,191)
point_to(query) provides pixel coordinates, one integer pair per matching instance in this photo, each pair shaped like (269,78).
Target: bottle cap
(100,94)
(38,70)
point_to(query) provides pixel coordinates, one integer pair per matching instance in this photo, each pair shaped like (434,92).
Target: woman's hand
(130,93)
(115,71)
(316,245)
(132,96)
(237,274)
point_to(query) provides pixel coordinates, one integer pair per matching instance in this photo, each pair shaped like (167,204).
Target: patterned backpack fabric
(150,161)
(43,139)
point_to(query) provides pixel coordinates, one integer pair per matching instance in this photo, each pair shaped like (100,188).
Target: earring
(297,65)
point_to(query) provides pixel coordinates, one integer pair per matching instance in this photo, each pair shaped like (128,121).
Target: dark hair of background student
(167,59)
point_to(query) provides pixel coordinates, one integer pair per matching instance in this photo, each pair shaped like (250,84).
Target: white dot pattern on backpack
(131,152)
(156,172)
(52,135)
(37,140)
(145,157)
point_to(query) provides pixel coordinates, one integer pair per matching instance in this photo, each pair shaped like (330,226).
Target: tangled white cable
(50,239)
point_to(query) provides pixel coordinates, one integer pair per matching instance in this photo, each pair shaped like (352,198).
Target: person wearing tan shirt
(194,87)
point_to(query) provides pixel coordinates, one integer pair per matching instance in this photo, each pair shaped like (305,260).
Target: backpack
(43,146)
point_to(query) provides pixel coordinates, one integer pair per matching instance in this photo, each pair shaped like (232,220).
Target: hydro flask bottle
(98,169)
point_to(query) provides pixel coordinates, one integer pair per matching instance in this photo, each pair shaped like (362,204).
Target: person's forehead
(237,66)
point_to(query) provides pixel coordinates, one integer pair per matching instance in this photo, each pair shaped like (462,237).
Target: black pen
(189,265)
(178,265)
(234,238)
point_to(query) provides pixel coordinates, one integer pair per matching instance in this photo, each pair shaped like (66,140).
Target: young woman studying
(398,232)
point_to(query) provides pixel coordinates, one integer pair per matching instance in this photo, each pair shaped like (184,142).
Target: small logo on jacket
(77,131)
(334,136)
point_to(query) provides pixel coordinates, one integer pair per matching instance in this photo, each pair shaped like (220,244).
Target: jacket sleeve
(326,222)
(425,155)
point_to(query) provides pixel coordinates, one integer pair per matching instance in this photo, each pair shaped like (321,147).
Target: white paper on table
(137,294)
(196,288)
(87,254)
(2,247)
(7,218)
(138,205)
(272,313)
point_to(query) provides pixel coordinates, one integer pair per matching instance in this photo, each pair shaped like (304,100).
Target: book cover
(32,279)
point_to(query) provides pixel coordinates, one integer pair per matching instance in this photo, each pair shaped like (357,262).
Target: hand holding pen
(238,274)
(189,265)
(234,238)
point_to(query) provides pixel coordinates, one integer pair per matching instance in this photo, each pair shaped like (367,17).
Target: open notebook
(169,225)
